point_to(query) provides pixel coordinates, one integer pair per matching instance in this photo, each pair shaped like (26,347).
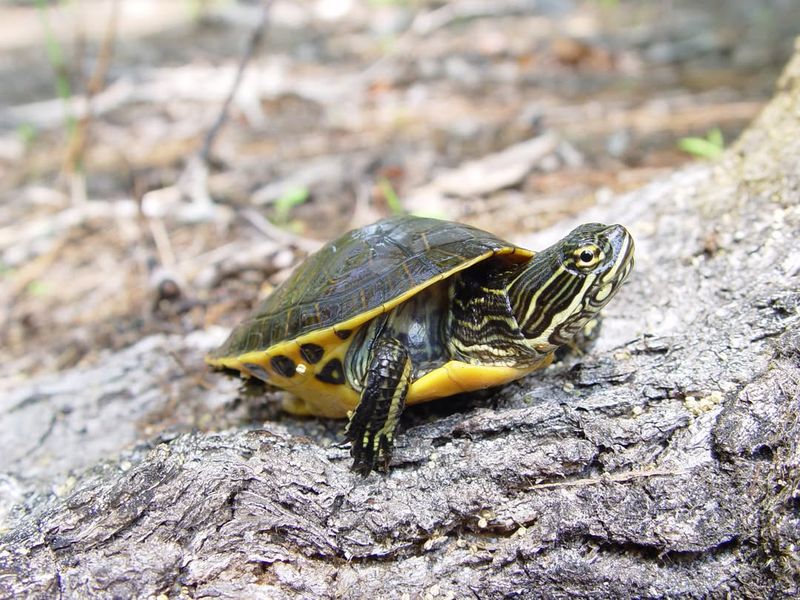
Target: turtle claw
(368,453)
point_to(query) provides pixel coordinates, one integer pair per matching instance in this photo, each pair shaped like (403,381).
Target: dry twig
(252,44)
(76,149)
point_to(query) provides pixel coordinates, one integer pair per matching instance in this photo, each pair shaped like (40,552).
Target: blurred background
(164,163)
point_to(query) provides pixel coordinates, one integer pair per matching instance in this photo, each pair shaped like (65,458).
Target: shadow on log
(663,463)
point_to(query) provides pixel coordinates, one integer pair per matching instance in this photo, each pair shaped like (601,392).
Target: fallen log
(663,463)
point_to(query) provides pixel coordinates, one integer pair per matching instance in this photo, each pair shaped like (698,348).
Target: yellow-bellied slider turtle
(409,309)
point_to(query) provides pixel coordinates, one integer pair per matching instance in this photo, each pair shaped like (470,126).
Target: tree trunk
(664,462)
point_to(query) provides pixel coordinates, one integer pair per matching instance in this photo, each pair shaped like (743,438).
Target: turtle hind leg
(373,424)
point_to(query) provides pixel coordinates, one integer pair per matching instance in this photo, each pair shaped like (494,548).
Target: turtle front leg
(374,422)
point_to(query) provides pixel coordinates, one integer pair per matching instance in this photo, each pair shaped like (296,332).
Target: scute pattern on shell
(356,273)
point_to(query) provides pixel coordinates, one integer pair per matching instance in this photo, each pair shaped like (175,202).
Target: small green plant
(433,213)
(38,288)
(392,200)
(199,9)
(27,134)
(56,57)
(709,147)
(292,197)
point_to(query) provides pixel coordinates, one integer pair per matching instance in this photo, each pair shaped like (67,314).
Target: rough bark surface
(664,462)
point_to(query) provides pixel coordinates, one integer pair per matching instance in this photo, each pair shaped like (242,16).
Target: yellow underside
(310,396)
(454,377)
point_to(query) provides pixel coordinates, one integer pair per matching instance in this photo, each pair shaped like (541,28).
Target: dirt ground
(115,223)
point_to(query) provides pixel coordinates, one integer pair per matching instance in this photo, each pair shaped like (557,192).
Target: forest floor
(509,115)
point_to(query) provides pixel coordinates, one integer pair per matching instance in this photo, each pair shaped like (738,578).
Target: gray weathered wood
(664,462)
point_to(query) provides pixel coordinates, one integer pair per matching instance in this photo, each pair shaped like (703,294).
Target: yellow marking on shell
(424,237)
(407,272)
(313,397)
(330,400)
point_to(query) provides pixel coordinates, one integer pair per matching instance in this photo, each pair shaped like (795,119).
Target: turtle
(411,309)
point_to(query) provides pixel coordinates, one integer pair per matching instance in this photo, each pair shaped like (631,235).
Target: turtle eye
(587,256)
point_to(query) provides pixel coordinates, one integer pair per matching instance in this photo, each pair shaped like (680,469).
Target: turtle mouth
(626,270)
(622,244)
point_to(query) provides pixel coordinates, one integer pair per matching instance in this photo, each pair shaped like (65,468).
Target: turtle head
(564,286)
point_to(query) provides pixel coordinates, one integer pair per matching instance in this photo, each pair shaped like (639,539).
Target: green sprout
(709,147)
(56,57)
(432,213)
(27,134)
(38,288)
(294,196)
(390,196)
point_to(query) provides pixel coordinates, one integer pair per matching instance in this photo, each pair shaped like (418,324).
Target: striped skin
(481,325)
(563,287)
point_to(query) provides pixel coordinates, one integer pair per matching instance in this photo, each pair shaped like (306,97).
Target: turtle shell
(299,337)
(363,273)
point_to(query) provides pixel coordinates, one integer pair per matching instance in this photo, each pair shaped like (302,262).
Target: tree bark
(662,463)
